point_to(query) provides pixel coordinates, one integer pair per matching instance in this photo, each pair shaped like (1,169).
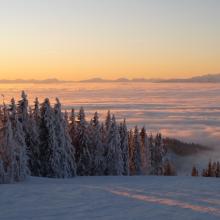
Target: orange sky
(75,40)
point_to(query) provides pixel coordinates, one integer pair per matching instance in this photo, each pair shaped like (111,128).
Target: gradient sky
(79,39)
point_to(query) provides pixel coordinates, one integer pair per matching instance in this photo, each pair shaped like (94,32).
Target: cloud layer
(190,112)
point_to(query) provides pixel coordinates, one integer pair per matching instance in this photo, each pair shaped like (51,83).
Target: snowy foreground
(112,198)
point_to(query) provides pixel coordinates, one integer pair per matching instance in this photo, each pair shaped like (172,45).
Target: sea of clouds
(190,111)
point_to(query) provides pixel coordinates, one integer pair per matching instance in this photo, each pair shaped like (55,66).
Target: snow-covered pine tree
(31,132)
(158,155)
(114,160)
(34,145)
(34,141)
(66,160)
(49,153)
(90,144)
(7,160)
(137,152)
(22,109)
(36,111)
(12,110)
(104,131)
(209,170)
(23,117)
(103,141)
(152,152)
(19,145)
(145,153)
(124,146)
(82,155)
(98,163)
(131,152)
(194,171)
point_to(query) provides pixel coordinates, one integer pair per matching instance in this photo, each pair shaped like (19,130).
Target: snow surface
(137,197)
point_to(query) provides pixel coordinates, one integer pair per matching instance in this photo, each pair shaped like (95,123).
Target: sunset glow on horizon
(81,39)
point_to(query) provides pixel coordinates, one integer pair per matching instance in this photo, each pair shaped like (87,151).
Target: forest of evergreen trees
(41,140)
(212,170)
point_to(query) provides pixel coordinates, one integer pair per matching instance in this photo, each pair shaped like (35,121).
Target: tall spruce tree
(124,146)
(137,152)
(7,159)
(131,152)
(158,154)
(152,153)
(19,145)
(83,157)
(66,160)
(114,160)
(145,152)
(48,143)
(98,163)
(34,141)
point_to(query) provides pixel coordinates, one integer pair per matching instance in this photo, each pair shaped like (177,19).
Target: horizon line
(97,79)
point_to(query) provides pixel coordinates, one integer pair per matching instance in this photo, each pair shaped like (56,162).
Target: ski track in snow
(143,197)
(168,202)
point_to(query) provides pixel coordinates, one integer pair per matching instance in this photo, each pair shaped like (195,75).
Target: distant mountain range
(208,78)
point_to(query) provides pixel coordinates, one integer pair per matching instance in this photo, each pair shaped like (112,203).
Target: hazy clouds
(190,112)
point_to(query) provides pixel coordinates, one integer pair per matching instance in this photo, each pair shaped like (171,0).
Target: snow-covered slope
(112,198)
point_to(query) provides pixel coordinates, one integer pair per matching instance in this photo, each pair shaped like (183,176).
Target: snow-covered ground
(112,198)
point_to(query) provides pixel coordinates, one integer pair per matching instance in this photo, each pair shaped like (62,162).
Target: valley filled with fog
(187,111)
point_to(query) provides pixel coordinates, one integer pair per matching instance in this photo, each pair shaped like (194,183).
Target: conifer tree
(83,157)
(194,171)
(137,152)
(66,158)
(145,152)
(131,152)
(19,145)
(209,171)
(98,162)
(36,111)
(7,159)
(114,161)
(22,109)
(158,153)
(152,153)
(48,143)
(124,147)
(33,148)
